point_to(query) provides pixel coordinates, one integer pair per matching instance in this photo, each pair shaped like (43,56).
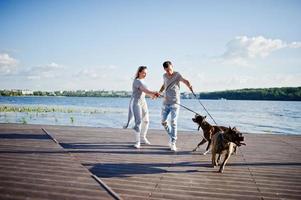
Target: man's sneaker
(145,140)
(173,147)
(137,146)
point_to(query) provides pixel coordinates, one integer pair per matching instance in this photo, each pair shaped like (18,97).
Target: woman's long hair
(140,69)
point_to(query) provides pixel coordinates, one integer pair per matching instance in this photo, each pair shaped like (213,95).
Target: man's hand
(187,83)
(155,95)
(190,87)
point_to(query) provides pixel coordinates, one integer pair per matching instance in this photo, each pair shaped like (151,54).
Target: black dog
(208,131)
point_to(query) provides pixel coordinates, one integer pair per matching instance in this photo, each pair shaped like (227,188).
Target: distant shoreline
(149,98)
(268,94)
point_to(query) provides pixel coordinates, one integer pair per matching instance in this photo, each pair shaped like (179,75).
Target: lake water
(274,117)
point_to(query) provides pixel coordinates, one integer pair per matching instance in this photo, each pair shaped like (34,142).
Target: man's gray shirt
(172,88)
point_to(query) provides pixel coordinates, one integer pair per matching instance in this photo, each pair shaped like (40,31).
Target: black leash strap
(184,107)
(187,108)
(203,107)
(190,109)
(177,103)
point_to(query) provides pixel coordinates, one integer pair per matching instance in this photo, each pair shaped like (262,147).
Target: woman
(138,106)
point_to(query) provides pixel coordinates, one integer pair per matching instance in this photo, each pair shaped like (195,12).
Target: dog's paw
(221,169)
(194,150)
(205,153)
(214,165)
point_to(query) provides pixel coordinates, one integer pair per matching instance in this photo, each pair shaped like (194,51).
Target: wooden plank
(32,166)
(269,167)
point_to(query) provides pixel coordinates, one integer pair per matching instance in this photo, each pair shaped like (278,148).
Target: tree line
(282,94)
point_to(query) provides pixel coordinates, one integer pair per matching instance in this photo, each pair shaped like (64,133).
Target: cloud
(47,71)
(96,72)
(111,67)
(245,47)
(295,45)
(242,49)
(53,66)
(7,64)
(88,73)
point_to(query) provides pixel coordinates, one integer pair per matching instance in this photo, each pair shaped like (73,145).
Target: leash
(203,106)
(198,101)
(238,144)
(183,106)
(176,102)
(187,108)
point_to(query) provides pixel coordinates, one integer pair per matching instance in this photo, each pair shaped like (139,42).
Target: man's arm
(187,83)
(161,89)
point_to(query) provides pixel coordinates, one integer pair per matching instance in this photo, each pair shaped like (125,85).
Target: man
(171,101)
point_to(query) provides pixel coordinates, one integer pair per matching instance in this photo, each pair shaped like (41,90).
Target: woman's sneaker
(169,143)
(173,147)
(137,145)
(145,140)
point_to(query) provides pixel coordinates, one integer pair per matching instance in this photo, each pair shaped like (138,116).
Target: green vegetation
(36,109)
(40,109)
(282,94)
(23,120)
(77,93)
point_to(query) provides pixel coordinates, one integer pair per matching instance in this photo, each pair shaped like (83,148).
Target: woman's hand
(155,95)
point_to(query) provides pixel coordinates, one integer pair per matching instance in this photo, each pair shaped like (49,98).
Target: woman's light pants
(141,117)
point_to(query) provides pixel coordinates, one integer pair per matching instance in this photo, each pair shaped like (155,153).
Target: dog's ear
(230,128)
(234,128)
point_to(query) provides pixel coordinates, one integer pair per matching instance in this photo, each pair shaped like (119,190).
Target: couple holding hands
(138,106)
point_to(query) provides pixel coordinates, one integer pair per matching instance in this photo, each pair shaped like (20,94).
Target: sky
(98,45)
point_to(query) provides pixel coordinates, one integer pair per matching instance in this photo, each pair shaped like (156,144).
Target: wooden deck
(33,166)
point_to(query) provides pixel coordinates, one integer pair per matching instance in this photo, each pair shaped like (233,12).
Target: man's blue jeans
(171,128)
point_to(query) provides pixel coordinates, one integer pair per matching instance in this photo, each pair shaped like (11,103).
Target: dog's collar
(224,137)
(227,140)
(237,143)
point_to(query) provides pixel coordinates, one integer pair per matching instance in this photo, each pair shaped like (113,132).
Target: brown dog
(208,131)
(225,143)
